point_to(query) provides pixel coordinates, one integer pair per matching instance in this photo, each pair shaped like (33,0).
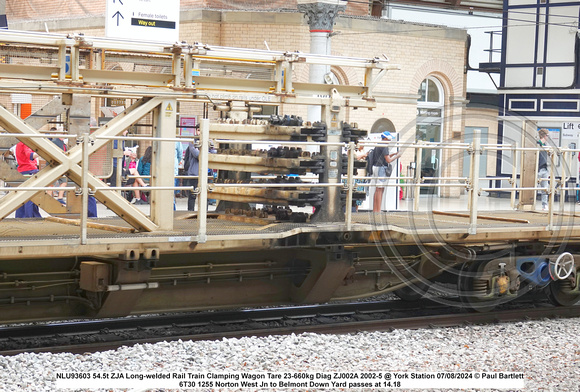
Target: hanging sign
(144,20)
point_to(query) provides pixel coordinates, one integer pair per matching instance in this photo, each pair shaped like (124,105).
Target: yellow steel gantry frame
(157,93)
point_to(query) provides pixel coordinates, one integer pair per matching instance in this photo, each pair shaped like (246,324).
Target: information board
(187,128)
(144,20)
(571,130)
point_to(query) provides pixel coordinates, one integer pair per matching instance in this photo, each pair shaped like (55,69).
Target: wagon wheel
(470,287)
(559,292)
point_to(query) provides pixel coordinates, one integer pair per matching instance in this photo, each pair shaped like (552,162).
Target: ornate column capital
(320,14)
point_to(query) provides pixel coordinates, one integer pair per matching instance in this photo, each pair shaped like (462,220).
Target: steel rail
(321,321)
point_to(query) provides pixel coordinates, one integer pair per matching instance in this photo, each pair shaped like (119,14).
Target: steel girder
(70,163)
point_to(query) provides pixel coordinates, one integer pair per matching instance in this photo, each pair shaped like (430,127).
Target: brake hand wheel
(563,266)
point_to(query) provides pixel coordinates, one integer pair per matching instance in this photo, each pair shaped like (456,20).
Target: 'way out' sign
(143,20)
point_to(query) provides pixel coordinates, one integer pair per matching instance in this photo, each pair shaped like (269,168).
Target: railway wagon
(284,230)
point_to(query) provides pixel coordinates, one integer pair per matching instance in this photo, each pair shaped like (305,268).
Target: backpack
(370,163)
(186,160)
(370,160)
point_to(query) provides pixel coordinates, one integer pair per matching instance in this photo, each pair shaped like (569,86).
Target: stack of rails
(281,161)
(269,132)
(239,160)
(290,196)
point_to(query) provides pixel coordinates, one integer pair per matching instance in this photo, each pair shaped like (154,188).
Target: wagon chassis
(163,261)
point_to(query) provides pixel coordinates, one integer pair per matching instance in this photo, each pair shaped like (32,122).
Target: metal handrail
(416,182)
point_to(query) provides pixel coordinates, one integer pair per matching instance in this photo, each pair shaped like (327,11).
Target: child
(136,182)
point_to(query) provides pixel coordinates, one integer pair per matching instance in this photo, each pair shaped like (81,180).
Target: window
(430,128)
(430,92)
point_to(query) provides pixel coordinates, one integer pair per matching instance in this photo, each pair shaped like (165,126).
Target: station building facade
(540,75)
(539,83)
(424,100)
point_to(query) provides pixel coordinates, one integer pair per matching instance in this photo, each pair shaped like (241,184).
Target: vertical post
(332,114)
(278,78)
(529,166)
(417,182)
(74,62)
(565,176)
(102,58)
(475,159)
(317,71)
(350,185)
(470,186)
(491,46)
(320,15)
(567,158)
(368,82)
(536,179)
(523,154)
(62,62)
(163,165)
(515,158)
(85,189)
(202,180)
(288,78)
(176,65)
(552,191)
(187,70)
(96,61)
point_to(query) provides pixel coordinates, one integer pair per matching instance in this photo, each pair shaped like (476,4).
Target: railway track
(100,335)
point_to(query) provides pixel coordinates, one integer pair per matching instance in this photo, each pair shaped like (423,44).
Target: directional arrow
(117,14)
(119,2)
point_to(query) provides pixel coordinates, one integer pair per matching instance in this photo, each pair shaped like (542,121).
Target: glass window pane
(432,92)
(268,110)
(422,91)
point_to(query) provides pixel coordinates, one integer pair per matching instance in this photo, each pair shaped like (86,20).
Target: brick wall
(17,10)
(419,50)
(285,38)
(419,54)
(239,4)
(43,9)
(359,8)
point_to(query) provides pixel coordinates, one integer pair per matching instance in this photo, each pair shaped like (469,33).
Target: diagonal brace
(69,163)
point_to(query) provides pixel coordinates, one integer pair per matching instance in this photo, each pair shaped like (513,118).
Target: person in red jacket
(27,164)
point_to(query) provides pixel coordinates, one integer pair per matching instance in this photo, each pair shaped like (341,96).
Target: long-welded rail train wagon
(302,244)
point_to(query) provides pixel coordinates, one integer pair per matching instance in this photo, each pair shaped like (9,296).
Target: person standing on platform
(27,164)
(191,168)
(382,169)
(543,166)
(178,159)
(61,182)
(578,182)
